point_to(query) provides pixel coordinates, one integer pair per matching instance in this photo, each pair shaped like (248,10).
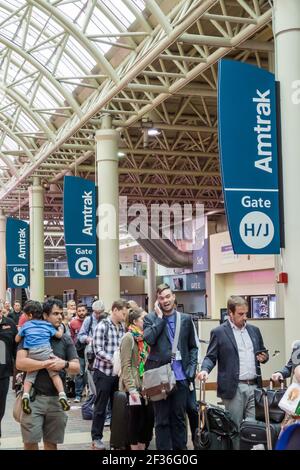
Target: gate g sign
(248,154)
(80,227)
(17,253)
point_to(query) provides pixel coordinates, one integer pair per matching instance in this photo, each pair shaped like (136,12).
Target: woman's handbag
(159,382)
(274,396)
(17,408)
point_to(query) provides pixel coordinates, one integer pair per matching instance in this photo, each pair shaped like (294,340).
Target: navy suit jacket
(223,349)
(156,335)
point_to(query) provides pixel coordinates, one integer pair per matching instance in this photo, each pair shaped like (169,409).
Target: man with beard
(239,350)
(16,312)
(159,333)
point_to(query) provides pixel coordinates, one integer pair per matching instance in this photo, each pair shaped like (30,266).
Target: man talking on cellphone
(159,333)
(239,350)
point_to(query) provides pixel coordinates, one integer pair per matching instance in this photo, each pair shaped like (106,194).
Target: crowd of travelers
(54,346)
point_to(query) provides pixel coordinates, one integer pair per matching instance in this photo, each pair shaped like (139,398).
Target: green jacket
(129,356)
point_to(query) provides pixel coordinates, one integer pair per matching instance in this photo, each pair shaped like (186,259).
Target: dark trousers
(140,423)
(106,386)
(192,411)
(80,379)
(170,423)
(4,384)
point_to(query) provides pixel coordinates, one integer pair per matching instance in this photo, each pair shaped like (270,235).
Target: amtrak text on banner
(248,154)
(17,253)
(80,227)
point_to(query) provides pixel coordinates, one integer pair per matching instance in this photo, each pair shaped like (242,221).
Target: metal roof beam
(197,187)
(138,63)
(136,171)
(43,70)
(24,105)
(203,40)
(78,36)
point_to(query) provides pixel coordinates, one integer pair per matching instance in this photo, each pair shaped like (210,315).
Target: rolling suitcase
(119,422)
(255,433)
(215,427)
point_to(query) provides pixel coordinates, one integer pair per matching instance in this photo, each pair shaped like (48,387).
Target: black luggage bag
(119,422)
(274,396)
(216,428)
(253,433)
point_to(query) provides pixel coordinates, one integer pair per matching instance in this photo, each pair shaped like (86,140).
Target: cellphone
(261,351)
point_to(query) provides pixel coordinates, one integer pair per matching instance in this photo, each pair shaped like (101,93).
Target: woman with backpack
(133,354)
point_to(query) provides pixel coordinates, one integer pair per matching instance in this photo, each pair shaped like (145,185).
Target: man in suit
(159,333)
(239,350)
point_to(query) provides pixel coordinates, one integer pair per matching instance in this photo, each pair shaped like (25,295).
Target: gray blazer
(156,335)
(223,349)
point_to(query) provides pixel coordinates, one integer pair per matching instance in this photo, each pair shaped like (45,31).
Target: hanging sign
(248,155)
(80,227)
(17,253)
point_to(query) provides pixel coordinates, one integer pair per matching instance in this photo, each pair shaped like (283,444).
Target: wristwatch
(66,365)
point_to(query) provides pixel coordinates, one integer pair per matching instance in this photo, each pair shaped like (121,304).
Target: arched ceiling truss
(148,63)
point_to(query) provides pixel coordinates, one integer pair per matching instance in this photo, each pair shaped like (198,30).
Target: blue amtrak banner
(248,155)
(80,227)
(17,253)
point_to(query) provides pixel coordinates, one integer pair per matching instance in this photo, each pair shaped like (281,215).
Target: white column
(151,282)
(36,217)
(287,65)
(108,211)
(2,256)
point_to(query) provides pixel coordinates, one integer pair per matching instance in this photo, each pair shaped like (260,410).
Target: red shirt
(75,325)
(23,319)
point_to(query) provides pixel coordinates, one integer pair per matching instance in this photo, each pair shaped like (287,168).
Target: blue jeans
(80,379)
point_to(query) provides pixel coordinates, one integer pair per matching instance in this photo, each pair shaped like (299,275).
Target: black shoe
(64,403)
(25,405)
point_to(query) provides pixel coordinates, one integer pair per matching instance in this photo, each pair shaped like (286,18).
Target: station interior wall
(57,285)
(236,274)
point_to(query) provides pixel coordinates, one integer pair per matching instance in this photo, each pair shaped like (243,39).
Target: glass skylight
(46,51)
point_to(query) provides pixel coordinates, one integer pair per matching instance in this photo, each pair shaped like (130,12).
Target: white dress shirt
(246,352)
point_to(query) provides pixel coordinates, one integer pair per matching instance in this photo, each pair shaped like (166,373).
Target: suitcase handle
(272,383)
(202,406)
(202,391)
(267,418)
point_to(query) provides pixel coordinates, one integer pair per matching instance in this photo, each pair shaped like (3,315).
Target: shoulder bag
(159,382)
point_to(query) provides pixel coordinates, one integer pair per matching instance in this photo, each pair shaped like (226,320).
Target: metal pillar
(108,212)
(287,66)
(2,256)
(36,217)
(151,282)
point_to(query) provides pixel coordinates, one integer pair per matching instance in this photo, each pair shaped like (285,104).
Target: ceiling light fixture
(153,132)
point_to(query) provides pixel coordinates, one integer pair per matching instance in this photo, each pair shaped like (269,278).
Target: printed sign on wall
(80,227)
(248,154)
(17,253)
